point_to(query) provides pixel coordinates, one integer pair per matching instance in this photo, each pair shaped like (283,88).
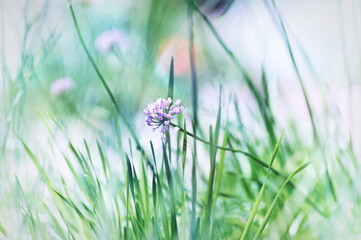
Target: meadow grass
(79,166)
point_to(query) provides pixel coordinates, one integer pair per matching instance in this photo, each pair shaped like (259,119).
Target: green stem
(299,77)
(109,92)
(90,57)
(195,118)
(259,161)
(225,148)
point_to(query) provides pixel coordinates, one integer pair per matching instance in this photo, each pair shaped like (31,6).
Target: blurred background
(270,58)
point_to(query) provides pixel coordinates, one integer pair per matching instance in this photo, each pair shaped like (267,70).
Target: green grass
(84,165)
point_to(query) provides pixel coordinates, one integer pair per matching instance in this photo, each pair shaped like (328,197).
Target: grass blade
(260,194)
(220,168)
(104,161)
(268,214)
(2,230)
(171,80)
(36,162)
(170,94)
(207,219)
(161,200)
(299,77)
(184,152)
(174,233)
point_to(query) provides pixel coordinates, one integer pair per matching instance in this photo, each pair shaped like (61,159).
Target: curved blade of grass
(299,77)
(256,94)
(86,184)
(330,184)
(37,164)
(244,73)
(266,112)
(90,57)
(70,203)
(78,158)
(104,160)
(309,201)
(268,214)
(88,153)
(251,156)
(260,194)
(130,176)
(139,192)
(104,83)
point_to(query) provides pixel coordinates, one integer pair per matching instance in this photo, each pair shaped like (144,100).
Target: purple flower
(108,39)
(61,85)
(160,113)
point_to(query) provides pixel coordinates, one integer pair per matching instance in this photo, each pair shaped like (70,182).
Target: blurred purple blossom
(161,112)
(109,39)
(61,86)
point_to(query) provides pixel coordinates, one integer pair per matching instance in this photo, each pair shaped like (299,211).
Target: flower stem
(259,161)
(225,148)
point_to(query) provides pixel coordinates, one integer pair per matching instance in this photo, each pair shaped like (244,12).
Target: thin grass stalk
(299,77)
(174,233)
(160,197)
(208,207)
(270,209)
(195,118)
(260,194)
(220,168)
(104,83)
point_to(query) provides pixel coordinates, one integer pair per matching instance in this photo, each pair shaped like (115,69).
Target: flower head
(61,85)
(108,39)
(160,113)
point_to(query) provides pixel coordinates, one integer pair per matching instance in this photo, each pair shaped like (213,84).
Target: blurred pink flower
(108,39)
(61,86)
(179,49)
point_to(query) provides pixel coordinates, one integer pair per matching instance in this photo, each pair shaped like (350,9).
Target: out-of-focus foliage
(267,141)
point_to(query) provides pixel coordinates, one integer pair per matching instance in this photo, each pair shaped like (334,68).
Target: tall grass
(83,166)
